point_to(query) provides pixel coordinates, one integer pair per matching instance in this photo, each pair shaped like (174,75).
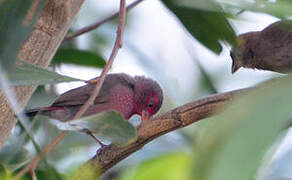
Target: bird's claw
(87,131)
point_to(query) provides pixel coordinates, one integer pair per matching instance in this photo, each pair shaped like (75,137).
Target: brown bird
(120,92)
(269,49)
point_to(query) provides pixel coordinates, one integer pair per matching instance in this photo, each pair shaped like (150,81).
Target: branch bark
(179,117)
(49,31)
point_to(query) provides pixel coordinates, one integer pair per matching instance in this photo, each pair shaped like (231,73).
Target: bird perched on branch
(120,92)
(269,49)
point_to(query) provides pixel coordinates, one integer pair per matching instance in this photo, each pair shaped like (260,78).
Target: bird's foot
(87,131)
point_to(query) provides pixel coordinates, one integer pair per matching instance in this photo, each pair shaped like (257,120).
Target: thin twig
(33,176)
(27,133)
(118,44)
(36,146)
(31,166)
(99,23)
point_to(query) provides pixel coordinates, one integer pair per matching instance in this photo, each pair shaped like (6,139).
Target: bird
(269,49)
(119,92)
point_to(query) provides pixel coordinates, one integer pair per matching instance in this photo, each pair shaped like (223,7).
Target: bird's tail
(31,113)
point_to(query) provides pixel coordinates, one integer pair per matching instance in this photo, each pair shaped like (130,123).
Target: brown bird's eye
(150,104)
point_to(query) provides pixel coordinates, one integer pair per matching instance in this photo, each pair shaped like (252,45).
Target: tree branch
(99,23)
(179,117)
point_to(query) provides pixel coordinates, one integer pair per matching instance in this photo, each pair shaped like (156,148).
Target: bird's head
(242,54)
(148,97)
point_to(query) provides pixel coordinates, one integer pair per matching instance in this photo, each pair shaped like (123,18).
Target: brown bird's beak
(145,115)
(235,65)
(234,68)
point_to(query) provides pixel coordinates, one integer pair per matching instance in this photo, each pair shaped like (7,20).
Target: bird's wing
(80,95)
(74,97)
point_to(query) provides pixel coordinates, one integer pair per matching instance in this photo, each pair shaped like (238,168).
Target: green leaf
(110,125)
(234,144)
(49,173)
(173,166)
(280,8)
(5,174)
(13,154)
(41,98)
(79,57)
(14,27)
(28,74)
(209,27)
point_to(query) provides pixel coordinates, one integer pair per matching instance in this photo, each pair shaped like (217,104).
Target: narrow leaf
(79,57)
(28,74)
(110,125)
(281,8)
(233,146)
(209,27)
(41,98)
(14,154)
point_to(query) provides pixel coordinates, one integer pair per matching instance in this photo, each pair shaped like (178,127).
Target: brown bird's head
(148,97)
(242,54)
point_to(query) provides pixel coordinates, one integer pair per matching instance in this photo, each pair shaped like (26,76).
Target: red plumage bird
(120,92)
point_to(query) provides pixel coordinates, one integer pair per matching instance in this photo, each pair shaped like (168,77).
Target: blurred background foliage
(184,45)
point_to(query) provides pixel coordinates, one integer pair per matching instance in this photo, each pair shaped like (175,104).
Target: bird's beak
(234,68)
(145,115)
(235,65)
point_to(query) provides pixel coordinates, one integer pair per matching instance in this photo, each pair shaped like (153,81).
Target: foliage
(78,57)
(234,144)
(202,23)
(110,125)
(28,74)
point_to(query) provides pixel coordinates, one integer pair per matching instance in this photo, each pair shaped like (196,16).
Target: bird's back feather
(80,95)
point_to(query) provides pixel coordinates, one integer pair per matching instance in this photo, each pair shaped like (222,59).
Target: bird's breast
(122,100)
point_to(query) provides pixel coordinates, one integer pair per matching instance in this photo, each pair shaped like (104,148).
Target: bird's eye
(150,105)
